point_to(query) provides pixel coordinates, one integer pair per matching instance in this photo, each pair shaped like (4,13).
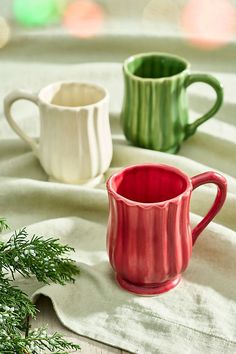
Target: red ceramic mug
(149,238)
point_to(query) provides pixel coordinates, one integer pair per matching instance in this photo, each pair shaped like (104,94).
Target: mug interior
(155,66)
(72,94)
(149,183)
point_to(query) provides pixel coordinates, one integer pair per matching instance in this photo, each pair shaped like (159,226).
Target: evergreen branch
(45,258)
(37,342)
(14,308)
(55,343)
(14,303)
(3,225)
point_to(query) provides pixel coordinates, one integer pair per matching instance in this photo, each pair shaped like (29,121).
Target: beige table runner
(199,316)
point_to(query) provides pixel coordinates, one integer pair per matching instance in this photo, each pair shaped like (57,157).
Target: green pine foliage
(47,260)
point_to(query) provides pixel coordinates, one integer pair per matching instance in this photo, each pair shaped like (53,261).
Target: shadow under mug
(149,238)
(75,144)
(155,107)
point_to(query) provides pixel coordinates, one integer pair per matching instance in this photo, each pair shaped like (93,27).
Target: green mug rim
(157,54)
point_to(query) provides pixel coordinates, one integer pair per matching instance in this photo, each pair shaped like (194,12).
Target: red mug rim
(148,204)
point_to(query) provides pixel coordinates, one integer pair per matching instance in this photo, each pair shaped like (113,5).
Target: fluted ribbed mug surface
(75,144)
(155,108)
(149,237)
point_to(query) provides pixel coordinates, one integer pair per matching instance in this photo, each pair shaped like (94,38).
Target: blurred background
(203,25)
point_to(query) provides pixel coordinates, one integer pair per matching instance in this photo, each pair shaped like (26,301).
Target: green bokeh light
(38,12)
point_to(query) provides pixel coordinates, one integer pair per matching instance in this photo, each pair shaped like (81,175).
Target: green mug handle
(217,86)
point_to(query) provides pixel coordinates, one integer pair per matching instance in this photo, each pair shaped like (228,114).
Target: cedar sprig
(44,258)
(3,225)
(14,303)
(38,341)
(39,337)
(47,260)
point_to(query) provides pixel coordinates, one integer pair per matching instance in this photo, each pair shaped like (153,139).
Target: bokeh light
(209,24)
(38,12)
(83,18)
(5,32)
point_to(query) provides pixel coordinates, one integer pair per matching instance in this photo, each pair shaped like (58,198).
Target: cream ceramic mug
(75,144)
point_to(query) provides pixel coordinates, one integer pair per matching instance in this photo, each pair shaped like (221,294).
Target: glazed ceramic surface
(149,238)
(75,143)
(155,108)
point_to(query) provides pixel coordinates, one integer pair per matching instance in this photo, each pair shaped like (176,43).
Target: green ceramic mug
(155,107)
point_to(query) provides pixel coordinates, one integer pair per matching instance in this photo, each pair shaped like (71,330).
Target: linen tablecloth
(199,316)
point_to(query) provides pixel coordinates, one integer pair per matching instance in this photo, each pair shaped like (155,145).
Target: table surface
(47,316)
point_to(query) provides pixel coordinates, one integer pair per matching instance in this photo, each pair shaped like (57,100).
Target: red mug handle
(220,181)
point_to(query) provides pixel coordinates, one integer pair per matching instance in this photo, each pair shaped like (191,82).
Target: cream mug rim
(43,101)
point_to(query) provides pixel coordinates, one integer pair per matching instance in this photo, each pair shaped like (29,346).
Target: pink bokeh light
(83,18)
(209,24)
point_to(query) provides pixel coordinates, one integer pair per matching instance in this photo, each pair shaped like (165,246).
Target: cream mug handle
(9,100)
